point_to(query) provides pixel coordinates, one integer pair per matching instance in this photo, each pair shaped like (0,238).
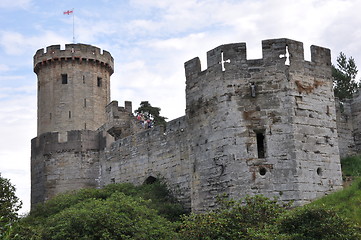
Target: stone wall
(349,126)
(61,163)
(345,128)
(161,153)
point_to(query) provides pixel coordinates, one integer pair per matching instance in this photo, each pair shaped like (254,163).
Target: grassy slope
(347,202)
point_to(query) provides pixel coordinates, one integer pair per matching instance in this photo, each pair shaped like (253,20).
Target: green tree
(118,211)
(9,204)
(150,112)
(344,75)
(117,217)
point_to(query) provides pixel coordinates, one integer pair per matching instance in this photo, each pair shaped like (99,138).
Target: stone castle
(267,126)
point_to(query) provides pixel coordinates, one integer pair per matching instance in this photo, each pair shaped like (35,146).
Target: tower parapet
(73,52)
(274,52)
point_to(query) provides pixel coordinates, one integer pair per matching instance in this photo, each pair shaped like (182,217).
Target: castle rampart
(156,153)
(63,162)
(262,126)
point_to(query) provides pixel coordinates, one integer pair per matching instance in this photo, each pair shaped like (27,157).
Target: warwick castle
(266,126)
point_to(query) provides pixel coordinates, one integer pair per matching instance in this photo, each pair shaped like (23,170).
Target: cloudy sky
(150,40)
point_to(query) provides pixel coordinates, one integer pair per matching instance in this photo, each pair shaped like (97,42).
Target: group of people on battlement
(146,122)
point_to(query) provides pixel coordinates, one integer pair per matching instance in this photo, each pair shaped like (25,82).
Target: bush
(261,218)
(117,217)
(317,223)
(119,211)
(233,220)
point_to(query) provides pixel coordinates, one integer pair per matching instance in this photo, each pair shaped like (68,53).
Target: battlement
(73,52)
(114,110)
(76,140)
(279,52)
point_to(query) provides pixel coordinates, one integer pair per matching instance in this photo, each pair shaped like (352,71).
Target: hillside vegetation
(124,211)
(348,201)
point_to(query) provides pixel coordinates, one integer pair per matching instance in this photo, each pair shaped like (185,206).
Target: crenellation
(192,68)
(73,52)
(235,52)
(321,56)
(77,140)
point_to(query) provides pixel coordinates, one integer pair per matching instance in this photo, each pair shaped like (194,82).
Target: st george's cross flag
(68,12)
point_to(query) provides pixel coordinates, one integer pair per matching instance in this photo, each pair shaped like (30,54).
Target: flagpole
(68,12)
(73,27)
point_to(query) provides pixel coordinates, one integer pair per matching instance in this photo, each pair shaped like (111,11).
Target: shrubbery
(123,211)
(261,218)
(118,211)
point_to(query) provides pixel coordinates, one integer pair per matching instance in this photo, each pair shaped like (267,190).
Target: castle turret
(73,87)
(73,92)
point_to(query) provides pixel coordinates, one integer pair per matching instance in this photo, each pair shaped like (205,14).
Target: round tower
(73,87)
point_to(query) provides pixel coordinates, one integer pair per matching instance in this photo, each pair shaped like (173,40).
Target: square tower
(264,126)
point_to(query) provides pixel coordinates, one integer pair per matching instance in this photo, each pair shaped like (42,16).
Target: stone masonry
(265,126)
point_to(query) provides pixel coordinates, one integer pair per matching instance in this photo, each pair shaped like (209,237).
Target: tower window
(99,81)
(69,114)
(261,149)
(83,79)
(64,78)
(85,102)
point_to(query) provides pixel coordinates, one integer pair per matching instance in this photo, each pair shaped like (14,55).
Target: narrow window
(253,90)
(85,102)
(50,116)
(83,79)
(69,114)
(64,78)
(84,125)
(99,81)
(260,144)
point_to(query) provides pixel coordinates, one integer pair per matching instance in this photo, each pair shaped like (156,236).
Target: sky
(149,40)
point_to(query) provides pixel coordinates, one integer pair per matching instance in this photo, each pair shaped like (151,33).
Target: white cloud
(15,3)
(4,68)
(15,43)
(18,127)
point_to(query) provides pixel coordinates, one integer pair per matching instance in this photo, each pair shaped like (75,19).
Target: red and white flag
(68,12)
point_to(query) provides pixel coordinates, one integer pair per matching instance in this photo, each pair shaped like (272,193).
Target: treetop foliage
(9,204)
(344,77)
(150,112)
(118,211)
